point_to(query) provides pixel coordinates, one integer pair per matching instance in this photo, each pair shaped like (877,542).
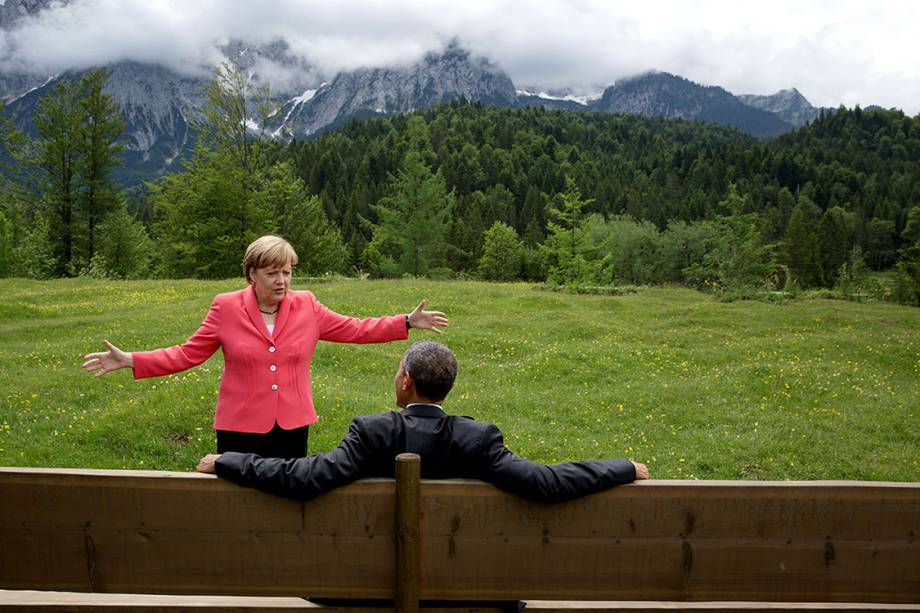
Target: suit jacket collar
(424,410)
(251,305)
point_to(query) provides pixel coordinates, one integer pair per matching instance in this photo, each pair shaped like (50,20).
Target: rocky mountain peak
(661,94)
(453,51)
(788,104)
(437,78)
(274,65)
(11,11)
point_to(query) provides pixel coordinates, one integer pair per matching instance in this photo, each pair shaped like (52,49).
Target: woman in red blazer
(268,334)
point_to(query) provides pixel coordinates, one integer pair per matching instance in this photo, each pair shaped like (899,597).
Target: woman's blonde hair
(268,251)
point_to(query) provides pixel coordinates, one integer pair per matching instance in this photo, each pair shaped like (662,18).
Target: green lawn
(694,387)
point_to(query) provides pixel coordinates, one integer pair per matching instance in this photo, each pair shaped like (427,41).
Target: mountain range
(161,106)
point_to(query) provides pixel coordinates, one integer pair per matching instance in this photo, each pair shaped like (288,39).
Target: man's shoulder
(472,430)
(388,419)
(376,420)
(471,421)
(468,422)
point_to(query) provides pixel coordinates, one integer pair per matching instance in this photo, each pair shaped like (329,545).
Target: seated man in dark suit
(450,447)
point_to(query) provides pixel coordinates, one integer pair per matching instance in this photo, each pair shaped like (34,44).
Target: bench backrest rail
(183,533)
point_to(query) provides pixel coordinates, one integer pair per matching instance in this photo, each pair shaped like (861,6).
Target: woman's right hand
(107,361)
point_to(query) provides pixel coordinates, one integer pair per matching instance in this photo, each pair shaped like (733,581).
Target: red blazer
(266,376)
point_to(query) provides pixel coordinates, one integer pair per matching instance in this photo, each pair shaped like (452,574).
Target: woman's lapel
(251,306)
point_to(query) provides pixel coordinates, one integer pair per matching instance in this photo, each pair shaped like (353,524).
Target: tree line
(468,190)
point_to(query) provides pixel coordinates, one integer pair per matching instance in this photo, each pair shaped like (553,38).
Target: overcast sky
(841,51)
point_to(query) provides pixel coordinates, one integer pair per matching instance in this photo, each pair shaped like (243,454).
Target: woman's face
(271,283)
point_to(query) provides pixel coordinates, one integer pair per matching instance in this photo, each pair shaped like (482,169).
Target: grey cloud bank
(834,52)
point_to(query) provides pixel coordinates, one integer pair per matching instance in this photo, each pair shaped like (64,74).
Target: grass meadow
(696,388)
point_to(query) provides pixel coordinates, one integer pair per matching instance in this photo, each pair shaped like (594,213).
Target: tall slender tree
(235,117)
(57,156)
(8,139)
(102,125)
(800,248)
(565,244)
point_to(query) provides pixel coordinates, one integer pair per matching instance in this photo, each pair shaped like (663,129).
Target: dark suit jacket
(450,447)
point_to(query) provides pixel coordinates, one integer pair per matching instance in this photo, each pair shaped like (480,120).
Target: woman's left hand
(428,320)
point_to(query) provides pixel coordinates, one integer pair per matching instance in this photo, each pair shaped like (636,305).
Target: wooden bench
(655,545)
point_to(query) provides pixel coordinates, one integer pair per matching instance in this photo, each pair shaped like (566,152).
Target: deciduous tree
(502,254)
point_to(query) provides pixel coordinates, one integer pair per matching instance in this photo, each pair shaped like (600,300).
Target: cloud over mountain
(847,52)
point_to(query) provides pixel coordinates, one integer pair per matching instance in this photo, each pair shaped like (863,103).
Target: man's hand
(206,465)
(641,470)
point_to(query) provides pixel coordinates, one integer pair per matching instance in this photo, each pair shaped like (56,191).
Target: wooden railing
(715,545)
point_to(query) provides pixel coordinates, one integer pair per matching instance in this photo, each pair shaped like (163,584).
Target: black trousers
(276,443)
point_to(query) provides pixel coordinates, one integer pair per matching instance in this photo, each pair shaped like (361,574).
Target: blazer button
(274,387)
(271,349)
(273,368)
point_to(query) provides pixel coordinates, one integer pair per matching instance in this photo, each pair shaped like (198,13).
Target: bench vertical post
(408,543)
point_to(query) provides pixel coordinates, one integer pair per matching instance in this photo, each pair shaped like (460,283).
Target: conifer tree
(835,240)
(102,125)
(11,225)
(414,221)
(800,249)
(565,245)
(57,156)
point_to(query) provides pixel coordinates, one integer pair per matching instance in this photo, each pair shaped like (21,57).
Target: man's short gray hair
(432,367)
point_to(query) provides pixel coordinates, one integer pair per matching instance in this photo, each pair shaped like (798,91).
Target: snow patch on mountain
(582,100)
(25,93)
(306,96)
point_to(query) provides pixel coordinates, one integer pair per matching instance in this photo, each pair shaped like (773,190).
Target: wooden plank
(183,533)
(677,540)
(35,601)
(78,602)
(600,606)
(58,602)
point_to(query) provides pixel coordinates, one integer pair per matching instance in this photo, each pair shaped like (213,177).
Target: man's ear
(407,381)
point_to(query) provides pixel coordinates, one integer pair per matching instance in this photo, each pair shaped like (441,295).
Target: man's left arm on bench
(299,479)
